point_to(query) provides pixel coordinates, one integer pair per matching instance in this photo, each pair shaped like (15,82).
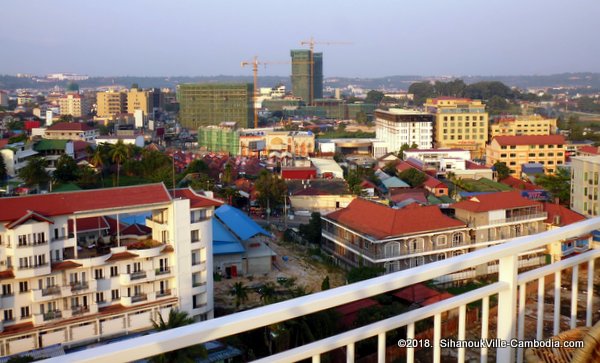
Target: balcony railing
(32,244)
(138,275)
(509,291)
(163,271)
(525,217)
(51,290)
(51,315)
(163,293)
(79,285)
(78,310)
(139,297)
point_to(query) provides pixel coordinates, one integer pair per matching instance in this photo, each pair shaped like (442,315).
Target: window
(25,312)
(457,238)
(114,271)
(98,274)
(441,256)
(114,294)
(8,315)
(99,297)
(7,289)
(392,249)
(513,155)
(23,286)
(195,235)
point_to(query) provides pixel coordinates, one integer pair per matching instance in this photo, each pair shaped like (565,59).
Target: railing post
(507,306)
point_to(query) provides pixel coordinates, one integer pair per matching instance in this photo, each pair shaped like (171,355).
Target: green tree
(240,292)
(312,231)
(197,166)
(559,184)
(189,354)
(374,97)
(66,169)
(227,174)
(268,294)
(405,147)
(502,171)
(362,117)
(421,91)
(118,153)
(413,177)
(363,273)
(497,105)
(88,177)
(66,118)
(271,189)
(325,284)
(34,173)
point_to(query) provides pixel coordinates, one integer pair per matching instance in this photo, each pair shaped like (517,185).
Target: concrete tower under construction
(303,73)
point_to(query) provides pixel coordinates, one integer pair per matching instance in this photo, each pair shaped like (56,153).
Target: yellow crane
(311,45)
(255,63)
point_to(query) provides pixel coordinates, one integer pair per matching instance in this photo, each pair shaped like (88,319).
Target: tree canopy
(271,189)
(189,354)
(66,169)
(374,97)
(413,177)
(34,173)
(502,171)
(559,184)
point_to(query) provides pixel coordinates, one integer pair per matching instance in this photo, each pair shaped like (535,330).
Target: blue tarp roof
(394,182)
(238,222)
(227,248)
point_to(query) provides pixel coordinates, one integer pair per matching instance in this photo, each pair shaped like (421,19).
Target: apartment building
(584,185)
(459,123)
(66,279)
(75,131)
(523,125)
(398,127)
(138,99)
(111,103)
(514,151)
(395,239)
(74,105)
(16,156)
(297,143)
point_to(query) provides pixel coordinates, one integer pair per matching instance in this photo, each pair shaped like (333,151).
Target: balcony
(79,285)
(163,293)
(47,294)
(553,298)
(79,310)
(51,315)
(163,271)
(139,297)
(136,277)
(526,217)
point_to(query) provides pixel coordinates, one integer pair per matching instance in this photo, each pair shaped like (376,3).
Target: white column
(507,306)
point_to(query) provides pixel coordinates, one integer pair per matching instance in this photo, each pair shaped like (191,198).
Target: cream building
(74,105)
(584,185)
(398,127)
(459,123)
(299,143)
(523,125)
(514,151)
(111,103)
(66,280)
(138,99)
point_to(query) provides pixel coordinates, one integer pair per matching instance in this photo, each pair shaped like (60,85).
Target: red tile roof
(416,293)
(530,140)
(121,256)
(472,165)
(137,230)
(518,183)
(89,224)
(29,215)
(55,204)
(70,126)
(7,274)
(442,296)
(65,265)
(3,143)
(494,201)
(564,214)
(196,200)
(381,221)
(592,150)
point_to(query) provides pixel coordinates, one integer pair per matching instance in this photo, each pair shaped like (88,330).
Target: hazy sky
(419,37)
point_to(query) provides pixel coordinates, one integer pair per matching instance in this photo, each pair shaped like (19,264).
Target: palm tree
(34,173)
(118,153)
(240,291)
(189,354)
(268,293)
(97,160)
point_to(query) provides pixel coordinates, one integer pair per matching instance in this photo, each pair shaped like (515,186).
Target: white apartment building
(584,184)
(397,127)
(16,156)
(65,279)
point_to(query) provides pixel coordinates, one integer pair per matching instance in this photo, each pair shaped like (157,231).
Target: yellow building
(111,103)
(514,151)
(459,123)
(523,125)
(138,99)
(74,105)
(299,143)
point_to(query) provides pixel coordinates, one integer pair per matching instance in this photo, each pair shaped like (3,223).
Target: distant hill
(577,80)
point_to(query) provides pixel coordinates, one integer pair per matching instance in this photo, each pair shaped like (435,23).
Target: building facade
(211,104)
(138,99)
(584,185)
(222,138)
(307,78)
(111,103)
(523,125)
(71,131)
(16,156)
(298,143)
(65,280)
(459,123)
(514,151)
(74,105)
(398,127)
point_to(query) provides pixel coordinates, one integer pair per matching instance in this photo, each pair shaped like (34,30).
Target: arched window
(392,266)
(392,249)
(441,240)
(457,238)
(414,245)
(441,256)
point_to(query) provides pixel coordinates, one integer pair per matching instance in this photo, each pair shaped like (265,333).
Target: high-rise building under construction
(303,73)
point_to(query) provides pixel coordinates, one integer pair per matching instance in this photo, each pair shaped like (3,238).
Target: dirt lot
(308,271)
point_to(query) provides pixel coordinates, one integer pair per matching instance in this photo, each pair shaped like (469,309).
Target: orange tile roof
(416,293)
(494,201)
(88,224)
(7,274)
(593,150)
(196,200)
(530,140)
(381,222)
(121,256)
(55,204)
(65,265)
(565,215)
(518,183)
(70,126)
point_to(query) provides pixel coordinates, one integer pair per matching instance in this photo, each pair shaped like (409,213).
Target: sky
(208,38)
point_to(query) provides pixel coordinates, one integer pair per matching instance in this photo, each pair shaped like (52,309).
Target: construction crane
(311,45)
(255,63)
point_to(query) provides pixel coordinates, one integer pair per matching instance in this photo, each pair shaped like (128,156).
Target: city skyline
(441,38)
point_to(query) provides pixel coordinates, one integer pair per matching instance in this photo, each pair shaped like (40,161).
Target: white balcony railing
(508,290)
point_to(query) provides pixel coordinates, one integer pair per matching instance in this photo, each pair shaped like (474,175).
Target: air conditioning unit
(2,263)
